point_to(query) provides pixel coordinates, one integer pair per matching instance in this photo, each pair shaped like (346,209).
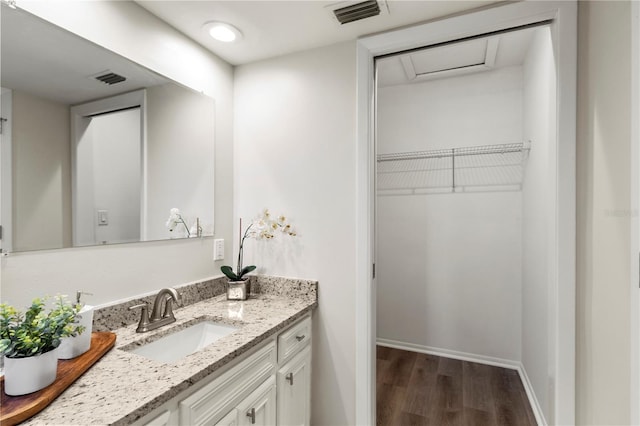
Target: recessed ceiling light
(222,31)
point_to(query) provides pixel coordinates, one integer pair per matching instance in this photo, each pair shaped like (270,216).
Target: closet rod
(468,38)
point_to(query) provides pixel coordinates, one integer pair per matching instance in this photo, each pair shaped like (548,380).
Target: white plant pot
(27,375)
(71,347)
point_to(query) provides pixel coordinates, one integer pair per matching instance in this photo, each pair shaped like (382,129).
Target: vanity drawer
(294,339)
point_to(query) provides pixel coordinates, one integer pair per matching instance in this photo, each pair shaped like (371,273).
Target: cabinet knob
(252,413)
(289,378)
(299,338)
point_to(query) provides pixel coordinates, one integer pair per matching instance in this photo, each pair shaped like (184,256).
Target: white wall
(538,231)
(40,133)
(295,153)
(121,271)
(448,272)
(180,158)
(603,215)
(478,109)
(449,265)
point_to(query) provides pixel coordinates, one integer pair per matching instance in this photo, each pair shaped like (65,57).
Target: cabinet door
(161,420)
(294,390)
(259,408)
(209,404)
(230,419)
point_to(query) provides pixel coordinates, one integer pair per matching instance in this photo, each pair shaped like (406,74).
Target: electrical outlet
(218,249)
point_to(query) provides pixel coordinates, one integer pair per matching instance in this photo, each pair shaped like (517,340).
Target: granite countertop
(123,387)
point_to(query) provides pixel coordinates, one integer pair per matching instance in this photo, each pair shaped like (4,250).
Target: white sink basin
(189,340)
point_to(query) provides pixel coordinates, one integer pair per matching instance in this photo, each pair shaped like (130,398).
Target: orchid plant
(175,219)
(264,227)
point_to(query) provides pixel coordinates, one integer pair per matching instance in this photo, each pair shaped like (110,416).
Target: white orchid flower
(175,218)
(262,227)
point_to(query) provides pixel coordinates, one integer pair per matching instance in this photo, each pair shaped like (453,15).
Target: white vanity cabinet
(294,390)
(269,385)
(294,375)
(259,408)
(233,390)
(231,419)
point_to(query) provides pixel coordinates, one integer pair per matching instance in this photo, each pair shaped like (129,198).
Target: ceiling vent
(349,11)
(110,78)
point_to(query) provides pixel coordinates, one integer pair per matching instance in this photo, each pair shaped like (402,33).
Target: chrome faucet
(158,319)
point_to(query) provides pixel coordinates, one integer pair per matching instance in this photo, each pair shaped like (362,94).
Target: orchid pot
(239,290)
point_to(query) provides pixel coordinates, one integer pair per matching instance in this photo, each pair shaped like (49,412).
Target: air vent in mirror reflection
(355,12)
(110,78)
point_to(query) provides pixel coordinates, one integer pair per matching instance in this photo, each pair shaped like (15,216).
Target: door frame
(634,216)
(564,35)
(6,174)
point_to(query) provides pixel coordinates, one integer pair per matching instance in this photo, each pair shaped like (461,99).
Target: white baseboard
(464,356)
(528,388)
(481,359)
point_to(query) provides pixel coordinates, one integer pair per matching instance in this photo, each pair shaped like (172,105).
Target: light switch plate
(218,249)
(103,217)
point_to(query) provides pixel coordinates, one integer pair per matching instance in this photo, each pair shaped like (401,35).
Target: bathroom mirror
(95,148)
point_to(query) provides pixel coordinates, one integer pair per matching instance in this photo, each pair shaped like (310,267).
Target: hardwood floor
(420,389)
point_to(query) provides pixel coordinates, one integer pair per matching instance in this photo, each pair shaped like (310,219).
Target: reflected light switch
(103,217)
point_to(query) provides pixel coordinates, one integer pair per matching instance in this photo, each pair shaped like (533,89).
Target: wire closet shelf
(468,169)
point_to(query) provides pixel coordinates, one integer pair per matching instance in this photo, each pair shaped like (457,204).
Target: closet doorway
(466,142)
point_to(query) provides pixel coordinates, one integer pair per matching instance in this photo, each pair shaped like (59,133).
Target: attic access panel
(451,59)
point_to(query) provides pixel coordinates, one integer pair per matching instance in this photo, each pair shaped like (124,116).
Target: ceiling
(32,58)
(47,61)
(274,28)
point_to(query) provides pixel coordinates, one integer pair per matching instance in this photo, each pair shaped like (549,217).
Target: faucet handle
(168,307)
(143,324)
(144,306)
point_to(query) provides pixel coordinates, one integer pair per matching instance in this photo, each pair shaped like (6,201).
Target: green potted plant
(264,227)
(29,340)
